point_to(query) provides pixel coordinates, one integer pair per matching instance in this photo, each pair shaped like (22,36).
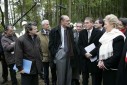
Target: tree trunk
(122,8)
(6,12)
(2,14)
(69,8)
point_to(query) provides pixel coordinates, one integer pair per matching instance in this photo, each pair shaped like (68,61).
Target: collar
(90,30)
(29,36)
(101,29)
(43,31)
(62,28)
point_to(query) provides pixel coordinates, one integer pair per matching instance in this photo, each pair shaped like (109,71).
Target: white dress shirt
(89,35)
(62,36)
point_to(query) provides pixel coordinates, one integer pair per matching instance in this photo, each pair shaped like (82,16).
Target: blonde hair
(112,19)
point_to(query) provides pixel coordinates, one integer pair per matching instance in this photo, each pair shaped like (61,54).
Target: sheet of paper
(89,48)
(26,66)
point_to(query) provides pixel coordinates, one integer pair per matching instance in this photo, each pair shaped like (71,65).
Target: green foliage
(79,9)
(1,28)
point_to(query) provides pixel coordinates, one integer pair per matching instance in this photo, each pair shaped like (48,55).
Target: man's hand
(13,43)
(88,55)
(21,72)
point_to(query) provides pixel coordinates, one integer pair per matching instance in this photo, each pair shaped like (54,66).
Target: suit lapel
(103,30)
(58,29)
(86,35)
(58,35)
(92,35)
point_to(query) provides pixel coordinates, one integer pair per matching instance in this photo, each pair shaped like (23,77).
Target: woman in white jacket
(111,45)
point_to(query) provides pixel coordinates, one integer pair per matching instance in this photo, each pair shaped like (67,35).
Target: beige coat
(44,46)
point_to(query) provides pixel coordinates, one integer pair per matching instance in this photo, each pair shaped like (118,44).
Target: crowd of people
(89,48)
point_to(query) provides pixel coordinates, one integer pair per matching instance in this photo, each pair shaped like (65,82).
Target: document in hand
(26,66)
(89,48)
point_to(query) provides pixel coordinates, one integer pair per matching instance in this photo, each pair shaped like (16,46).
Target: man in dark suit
(61,46)
(99,24)
(86,37)
(28,47)
(76,70)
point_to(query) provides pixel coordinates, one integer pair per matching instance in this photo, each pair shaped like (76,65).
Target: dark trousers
(46,72)
(96,79)
(4,68)
(53,73)
(42,73)
(75,73)
(13,74)
(96,76)
(27,79)
(85,77)
(109,77)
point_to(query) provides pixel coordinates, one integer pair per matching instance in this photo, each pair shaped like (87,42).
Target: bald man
(61,46)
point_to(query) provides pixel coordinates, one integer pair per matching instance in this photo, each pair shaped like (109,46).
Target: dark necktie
(65,41)
(47,33)
(77,36)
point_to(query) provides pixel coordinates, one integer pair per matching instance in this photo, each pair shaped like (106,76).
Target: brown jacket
(44,39)
(27,48)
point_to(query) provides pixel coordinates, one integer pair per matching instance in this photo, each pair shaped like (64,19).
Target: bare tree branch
(2,23)
(25,13)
